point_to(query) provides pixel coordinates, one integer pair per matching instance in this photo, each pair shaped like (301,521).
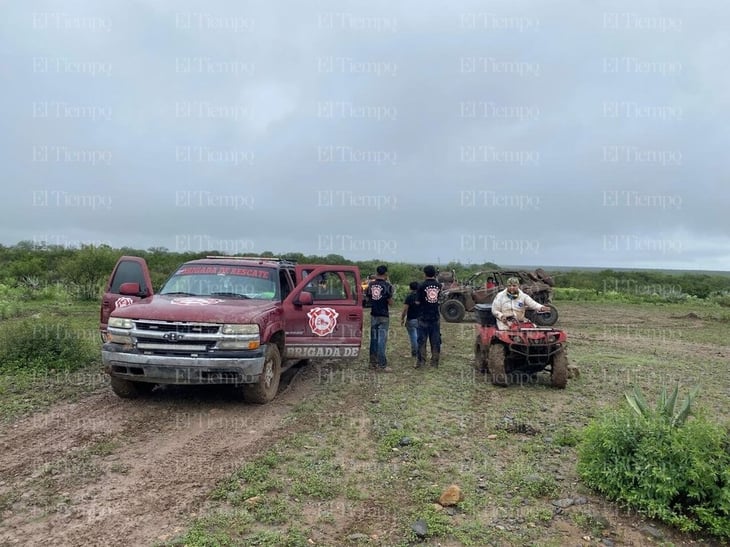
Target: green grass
(26,387)
(424,430)
(366,455)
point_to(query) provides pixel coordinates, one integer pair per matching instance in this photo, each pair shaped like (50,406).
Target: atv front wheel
(453,310)
(546,319)
(559,375)
(496,365)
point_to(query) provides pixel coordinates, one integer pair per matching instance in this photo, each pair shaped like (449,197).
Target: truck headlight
(233,328)
(120,323)
(239,336)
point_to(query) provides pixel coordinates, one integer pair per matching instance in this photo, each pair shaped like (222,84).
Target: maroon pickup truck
(226,320)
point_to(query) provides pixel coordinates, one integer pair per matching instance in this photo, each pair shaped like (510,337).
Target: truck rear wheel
(265,389)
(127,389)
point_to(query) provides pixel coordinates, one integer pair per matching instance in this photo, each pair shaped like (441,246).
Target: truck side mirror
(305,299)
(131,289)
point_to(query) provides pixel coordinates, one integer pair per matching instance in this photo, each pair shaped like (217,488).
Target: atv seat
(484,315)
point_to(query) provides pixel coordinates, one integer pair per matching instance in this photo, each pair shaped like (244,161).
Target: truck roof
(252,260)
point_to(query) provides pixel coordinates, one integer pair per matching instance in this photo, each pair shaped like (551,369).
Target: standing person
(429,326)
(409,317)
(380,294)
(510,304)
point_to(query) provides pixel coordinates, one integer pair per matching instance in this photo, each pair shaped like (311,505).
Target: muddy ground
(106,471)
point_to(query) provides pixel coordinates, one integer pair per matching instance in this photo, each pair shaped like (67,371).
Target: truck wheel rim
(268,374)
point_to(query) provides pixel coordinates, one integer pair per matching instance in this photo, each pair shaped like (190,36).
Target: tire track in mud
(160,456)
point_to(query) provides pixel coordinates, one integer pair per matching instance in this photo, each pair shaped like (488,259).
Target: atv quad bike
(464,297)
(523,349)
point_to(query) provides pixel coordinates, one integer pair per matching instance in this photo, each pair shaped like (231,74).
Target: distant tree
(86,270)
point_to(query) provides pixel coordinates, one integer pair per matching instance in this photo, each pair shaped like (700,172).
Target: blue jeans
(431,331)
(412,329)
(378,340)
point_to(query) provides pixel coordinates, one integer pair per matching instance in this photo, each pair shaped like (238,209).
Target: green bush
(42,344)
(676,472)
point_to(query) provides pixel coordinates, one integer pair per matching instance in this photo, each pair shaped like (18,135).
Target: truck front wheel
(265,389)
(127,389)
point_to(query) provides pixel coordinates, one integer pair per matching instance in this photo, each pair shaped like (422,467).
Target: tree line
(37,268)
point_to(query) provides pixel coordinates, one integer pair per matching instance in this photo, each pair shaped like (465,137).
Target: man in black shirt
(409,317)
(429,326)
(380,293)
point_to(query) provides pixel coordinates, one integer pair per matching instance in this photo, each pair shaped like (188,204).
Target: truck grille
(183,328)
(175,338)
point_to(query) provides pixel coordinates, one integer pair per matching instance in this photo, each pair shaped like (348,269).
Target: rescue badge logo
(123,302)
(322,321)
(432,295)
(195,301)
(376,291)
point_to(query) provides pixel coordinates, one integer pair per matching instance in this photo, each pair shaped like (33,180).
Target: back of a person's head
(413,285)
(429,270)
(382,269)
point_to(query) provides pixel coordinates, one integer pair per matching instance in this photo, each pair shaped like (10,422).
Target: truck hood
(202,309)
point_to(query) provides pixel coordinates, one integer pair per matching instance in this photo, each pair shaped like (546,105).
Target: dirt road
(106,471)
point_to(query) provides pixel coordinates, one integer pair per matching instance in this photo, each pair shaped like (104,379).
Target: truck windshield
(236,282)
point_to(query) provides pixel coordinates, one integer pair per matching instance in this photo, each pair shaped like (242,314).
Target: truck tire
(496,365)
(127,389)
(453,310)
(265,389)
(545,319)
(559,374)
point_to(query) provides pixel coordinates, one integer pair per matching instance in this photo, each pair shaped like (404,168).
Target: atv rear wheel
(127,389)
(496,365)
(546,319)
(265,389)
(559,375)
(453,310)
(480,356)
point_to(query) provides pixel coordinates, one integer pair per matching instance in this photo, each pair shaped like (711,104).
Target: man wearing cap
(380,293)
(510,304)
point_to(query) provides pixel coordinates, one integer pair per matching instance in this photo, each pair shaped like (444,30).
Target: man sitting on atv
(510,304)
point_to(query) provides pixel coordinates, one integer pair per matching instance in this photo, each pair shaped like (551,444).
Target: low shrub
(675,470)
(44,344)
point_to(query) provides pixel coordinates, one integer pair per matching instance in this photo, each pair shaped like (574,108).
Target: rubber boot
(435,356)
(421,356)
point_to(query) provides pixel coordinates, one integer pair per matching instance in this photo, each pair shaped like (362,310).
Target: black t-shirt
(414,311)
(428,298)
(379,291)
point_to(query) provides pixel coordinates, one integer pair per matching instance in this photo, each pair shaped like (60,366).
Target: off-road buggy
(463,297)
(523,350)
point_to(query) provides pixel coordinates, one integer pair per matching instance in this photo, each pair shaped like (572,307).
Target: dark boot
(435,356)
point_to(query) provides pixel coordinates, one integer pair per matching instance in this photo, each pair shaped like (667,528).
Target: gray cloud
(521,133)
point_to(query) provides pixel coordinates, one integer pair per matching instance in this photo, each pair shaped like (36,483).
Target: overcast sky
(565,133)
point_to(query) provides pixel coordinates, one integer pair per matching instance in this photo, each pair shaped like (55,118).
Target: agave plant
(666,406)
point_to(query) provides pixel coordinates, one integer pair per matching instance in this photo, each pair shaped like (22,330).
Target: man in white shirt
(511,303)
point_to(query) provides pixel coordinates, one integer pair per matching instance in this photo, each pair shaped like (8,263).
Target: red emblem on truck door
(322,321)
